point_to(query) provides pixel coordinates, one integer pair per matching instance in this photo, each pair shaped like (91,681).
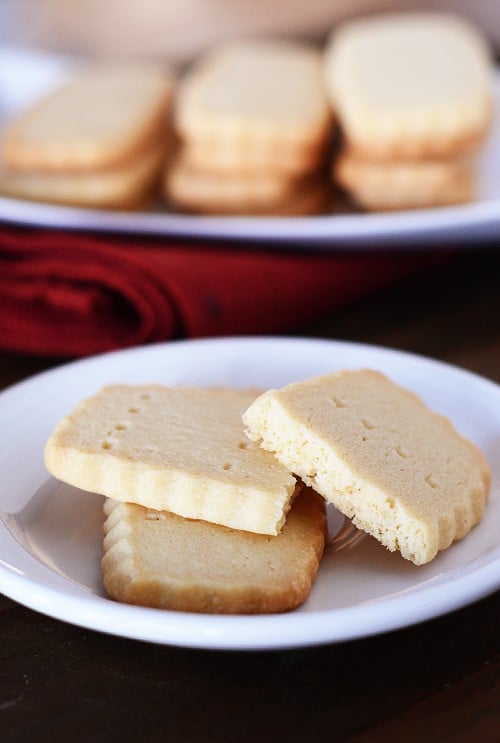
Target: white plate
(50,533)
(24,75)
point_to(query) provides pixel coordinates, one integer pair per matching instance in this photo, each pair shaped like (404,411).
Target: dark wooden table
(438,681)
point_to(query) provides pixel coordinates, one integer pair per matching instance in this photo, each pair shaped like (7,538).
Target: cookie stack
(198,518)
(97,141)
(254,125)
(412,94)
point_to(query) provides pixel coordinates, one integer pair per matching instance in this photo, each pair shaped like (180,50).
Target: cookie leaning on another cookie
(401,472)
(180,449)
(158,559)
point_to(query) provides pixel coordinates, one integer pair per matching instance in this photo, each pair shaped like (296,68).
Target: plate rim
(420,228)
(323,626)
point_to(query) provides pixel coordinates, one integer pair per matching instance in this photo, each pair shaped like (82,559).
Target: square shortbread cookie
(107,114)
(158,559)
(405,184)
(121,187)
(413,85)
(255,93)
(180,449)
(372,448)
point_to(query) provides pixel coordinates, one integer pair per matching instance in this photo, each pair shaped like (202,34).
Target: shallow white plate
(51,534)
(25,75)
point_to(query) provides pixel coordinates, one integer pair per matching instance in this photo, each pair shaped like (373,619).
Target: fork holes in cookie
(337,403)
(367,424)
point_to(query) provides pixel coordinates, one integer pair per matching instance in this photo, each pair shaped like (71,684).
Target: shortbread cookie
(405,184)
(221,157)
(122,187)
(410,85)
(205,192)
(180,449)
(256,93)
(401,472)
(105,115)
(158,559)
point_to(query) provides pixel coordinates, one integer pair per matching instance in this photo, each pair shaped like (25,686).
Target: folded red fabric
(72,294)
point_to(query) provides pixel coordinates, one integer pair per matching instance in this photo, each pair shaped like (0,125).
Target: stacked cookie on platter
(254,125)
(97,141)
(412,94)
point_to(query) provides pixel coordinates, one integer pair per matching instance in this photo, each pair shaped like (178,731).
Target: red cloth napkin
(72,294)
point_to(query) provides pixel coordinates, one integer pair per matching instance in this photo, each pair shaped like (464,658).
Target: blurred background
(179,29)
(151,290)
